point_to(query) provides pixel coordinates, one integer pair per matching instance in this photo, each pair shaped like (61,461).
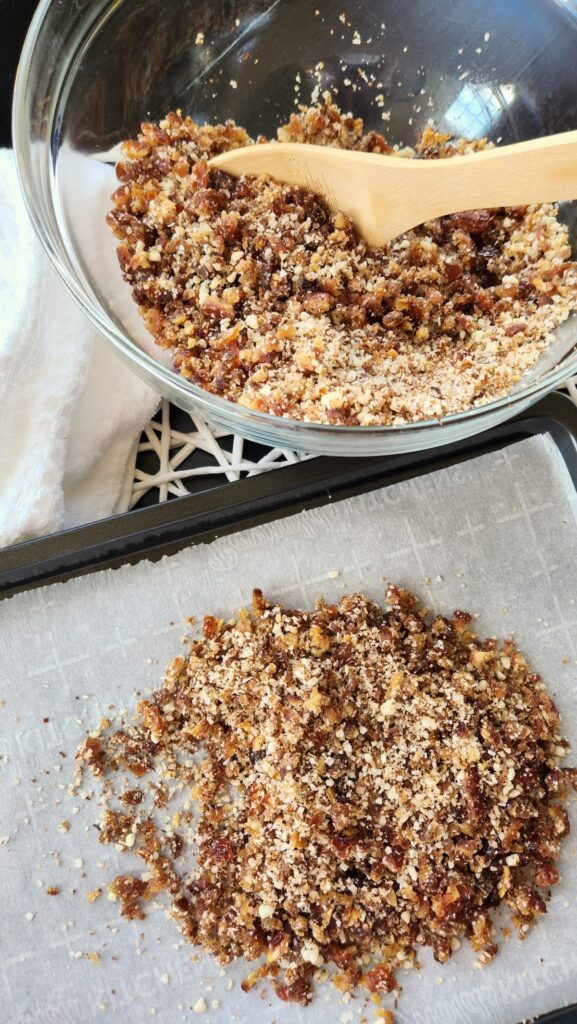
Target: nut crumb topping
(357,783)
(271,300)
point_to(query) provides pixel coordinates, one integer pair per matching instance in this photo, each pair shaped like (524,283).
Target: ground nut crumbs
(357,783)
(269,299)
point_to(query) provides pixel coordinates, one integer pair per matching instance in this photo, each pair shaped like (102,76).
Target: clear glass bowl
(92,70)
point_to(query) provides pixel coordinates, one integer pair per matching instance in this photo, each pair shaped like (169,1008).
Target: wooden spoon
(386,195)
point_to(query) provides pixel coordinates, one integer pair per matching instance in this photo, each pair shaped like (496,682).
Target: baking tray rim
(199,518)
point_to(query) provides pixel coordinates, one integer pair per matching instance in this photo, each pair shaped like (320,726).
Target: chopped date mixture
(359,782)
(271,300)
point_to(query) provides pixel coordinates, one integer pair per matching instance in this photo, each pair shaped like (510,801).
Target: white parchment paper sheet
(496,535)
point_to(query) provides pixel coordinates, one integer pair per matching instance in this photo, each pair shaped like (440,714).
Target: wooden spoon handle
(538,171)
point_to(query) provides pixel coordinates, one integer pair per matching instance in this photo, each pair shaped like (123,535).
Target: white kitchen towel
(70,410)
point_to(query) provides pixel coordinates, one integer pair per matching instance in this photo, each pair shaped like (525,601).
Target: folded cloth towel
(70,410)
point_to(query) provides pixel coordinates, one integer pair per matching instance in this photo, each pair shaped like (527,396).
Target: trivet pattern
(179,454)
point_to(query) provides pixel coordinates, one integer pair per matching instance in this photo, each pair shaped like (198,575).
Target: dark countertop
(15,16)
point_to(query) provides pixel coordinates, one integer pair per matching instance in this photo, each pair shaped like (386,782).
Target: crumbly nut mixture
(362,782)
(269,299)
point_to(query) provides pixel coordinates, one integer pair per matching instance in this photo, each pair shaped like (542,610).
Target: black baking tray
(163,529)
(201,517)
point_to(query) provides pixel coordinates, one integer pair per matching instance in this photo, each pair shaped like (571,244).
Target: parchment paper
(497,535)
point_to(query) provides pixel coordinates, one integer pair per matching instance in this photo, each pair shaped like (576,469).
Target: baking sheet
(495,535)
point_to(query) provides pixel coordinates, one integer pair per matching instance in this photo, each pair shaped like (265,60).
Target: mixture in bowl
(271,300)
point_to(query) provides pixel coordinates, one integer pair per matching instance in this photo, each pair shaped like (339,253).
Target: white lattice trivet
(226,454)
(173,447)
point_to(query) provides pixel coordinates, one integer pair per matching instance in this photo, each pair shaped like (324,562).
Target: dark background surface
(15,16)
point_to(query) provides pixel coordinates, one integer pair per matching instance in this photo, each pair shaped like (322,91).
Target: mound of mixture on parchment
(352,783)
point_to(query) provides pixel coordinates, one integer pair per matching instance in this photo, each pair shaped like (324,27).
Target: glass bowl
(92,70)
